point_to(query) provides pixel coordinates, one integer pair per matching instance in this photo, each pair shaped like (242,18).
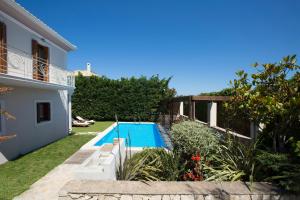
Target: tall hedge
(100,98)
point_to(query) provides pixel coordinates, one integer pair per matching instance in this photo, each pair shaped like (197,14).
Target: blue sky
(200,43)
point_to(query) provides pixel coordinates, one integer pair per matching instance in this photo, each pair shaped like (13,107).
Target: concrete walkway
(47,188)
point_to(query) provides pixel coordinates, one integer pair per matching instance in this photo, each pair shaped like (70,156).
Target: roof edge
(40,23)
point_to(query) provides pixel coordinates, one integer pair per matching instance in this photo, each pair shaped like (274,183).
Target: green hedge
(100,98)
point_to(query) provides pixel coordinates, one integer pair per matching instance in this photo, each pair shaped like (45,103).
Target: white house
(33,60)
(88,72)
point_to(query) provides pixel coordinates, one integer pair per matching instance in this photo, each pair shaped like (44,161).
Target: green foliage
(100,98)
(272,97)
(189,137)
(295,146)
(233,161)
(150,165)
(224,92)
(278,168)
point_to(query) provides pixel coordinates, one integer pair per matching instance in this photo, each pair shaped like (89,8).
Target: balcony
(15,63)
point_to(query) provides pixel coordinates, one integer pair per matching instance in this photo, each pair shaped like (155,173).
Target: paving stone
(275,197)
(110,197)
(187,197)
(245,197)
(94,198)
(79,157)
(126,197)
(137,197)
(65,198)
(155,197)
(199,197)
(174,197)
(76,196)
(167,197)
(267,197)
(234,197)
(101,197)
(85,197)
(257,197)
(211,197)
(140,197)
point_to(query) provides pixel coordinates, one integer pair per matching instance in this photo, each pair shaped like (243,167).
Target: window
(40,56)
(43,112)
(3,50)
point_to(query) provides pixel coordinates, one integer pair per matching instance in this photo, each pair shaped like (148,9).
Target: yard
(97,127)
(17,176)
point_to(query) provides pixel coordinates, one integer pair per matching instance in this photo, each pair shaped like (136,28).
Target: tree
(272,97)
(7,115)
(132,99)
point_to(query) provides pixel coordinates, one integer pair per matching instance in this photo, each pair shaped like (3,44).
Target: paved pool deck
(48,187)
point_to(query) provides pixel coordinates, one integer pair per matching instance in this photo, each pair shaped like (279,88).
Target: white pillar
(212,113)
(254,129)
(193,110)
(70,110)
(181,108)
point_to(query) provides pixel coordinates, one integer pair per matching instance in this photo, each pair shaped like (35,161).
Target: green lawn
(97,127)
(17,176)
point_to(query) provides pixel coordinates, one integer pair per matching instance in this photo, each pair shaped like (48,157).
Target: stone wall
(134,190)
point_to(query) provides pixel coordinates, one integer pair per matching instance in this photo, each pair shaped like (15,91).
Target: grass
(97,127)
(17,176)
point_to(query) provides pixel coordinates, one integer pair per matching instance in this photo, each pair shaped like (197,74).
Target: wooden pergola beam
(210,98)
(200,98)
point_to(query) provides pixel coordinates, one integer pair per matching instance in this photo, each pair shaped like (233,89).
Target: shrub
(270,96)
(233,161)
(100,98)
(150,165)
(278,168)
(190,137)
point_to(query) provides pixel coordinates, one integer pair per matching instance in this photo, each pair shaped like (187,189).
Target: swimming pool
(141,135)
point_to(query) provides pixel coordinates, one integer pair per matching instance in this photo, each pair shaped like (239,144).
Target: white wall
(21,103)
(20,37)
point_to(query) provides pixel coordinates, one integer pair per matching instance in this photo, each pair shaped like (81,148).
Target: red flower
(197,157)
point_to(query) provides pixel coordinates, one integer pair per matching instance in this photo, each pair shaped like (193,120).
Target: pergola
(191,100)
(211,109)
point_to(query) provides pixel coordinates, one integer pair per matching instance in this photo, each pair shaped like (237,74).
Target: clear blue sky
(200,43)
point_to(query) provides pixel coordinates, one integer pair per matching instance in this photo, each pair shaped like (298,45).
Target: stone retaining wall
(134,190)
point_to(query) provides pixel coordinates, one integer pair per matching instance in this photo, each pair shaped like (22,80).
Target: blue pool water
(141,135)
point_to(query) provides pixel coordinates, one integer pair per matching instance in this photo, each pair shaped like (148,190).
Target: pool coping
(100,135)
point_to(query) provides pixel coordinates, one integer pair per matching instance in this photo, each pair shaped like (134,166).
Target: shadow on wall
(29,135)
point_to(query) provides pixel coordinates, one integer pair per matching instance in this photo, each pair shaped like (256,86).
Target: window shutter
(3,49)
(46,77)
(34,46)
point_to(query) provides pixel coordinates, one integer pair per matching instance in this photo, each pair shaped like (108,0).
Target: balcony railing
(15,62)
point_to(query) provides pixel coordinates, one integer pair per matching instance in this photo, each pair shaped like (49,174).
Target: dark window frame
(43,112)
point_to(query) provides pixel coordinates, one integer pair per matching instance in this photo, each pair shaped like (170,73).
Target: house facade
(33,60)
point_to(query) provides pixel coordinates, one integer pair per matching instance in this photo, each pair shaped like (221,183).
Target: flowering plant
(196,171)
